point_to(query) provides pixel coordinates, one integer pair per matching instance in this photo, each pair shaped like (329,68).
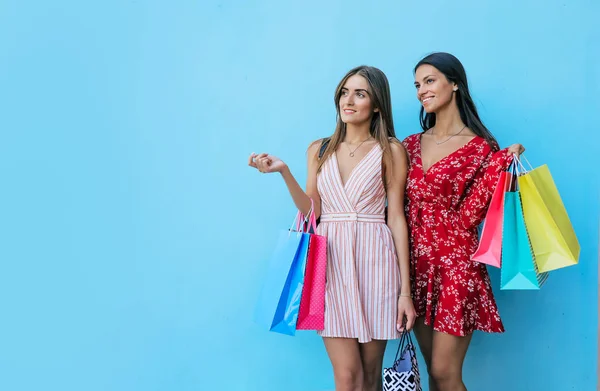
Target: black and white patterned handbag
(403,375)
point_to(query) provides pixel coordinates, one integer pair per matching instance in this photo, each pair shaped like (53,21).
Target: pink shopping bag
(490,243)
(312,304)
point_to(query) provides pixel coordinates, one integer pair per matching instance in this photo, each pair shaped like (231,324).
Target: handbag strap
(405,340)
(323,147)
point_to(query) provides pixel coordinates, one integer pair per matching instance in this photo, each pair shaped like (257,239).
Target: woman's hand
(516,149)
(266,163)
(406,309)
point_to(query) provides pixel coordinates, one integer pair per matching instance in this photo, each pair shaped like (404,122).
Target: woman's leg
(371,354)
(424,336)
(344,354)
(448,355)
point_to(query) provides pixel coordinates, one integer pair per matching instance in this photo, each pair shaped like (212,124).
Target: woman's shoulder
(317,147)
(481,146)
(319,142)
(410,140)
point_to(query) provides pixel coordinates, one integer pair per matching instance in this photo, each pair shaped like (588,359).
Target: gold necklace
(351,151)
(442,142)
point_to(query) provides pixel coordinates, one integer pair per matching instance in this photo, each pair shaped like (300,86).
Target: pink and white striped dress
(363,278)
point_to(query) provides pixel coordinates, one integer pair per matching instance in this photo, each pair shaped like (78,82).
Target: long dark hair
(382,123)
(454,71)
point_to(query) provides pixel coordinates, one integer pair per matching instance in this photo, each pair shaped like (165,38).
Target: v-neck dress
(363,279)
(444,207)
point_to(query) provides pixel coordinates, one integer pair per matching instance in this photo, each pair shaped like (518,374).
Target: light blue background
(134,236)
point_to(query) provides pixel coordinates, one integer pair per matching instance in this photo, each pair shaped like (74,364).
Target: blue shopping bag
(279,300)
(518,270)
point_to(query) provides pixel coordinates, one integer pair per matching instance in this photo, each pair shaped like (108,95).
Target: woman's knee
(446,376)
(349,379)
(372,376)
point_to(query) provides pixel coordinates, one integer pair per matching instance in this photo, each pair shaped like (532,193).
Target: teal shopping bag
(518,270)
(279,301)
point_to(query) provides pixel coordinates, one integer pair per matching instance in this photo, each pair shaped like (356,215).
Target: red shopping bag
(490,243)
(312,304)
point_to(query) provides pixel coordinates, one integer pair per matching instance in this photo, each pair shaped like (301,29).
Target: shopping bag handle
(519,163)
(302,224)
(517,169)
(302,220)
(298,221)
(513,183)
(310,220)
(526,161)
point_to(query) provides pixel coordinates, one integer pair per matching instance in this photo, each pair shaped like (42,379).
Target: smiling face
(355,102)
(434,90)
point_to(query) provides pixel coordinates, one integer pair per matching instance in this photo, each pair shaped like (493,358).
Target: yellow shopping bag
(551,233)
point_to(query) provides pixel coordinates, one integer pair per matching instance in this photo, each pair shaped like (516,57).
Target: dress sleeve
(474,206)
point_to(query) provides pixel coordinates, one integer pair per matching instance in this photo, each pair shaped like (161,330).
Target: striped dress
(363,278)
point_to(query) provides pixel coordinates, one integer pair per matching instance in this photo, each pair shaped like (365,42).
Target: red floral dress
(444,207)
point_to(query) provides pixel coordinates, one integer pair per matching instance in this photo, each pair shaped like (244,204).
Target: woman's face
(356,105)
(434,91)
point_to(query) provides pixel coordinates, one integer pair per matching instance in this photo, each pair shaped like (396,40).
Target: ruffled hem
(457,303)
(440,327)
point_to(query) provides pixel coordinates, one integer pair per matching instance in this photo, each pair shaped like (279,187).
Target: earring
(455,89)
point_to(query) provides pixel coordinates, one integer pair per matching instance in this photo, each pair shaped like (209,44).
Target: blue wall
(134,236)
